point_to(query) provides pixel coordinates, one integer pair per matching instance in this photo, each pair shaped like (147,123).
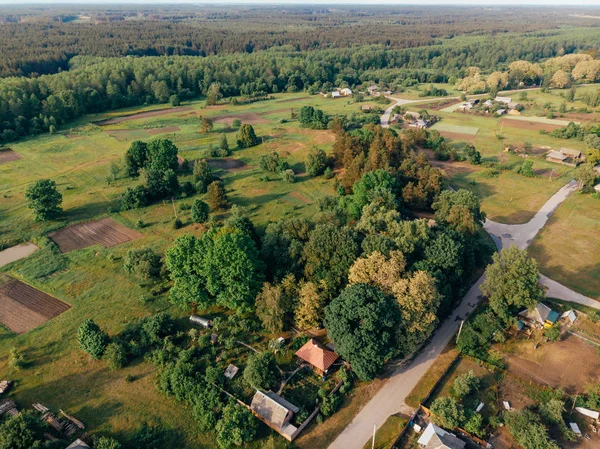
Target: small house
(540,315)
(317,355)
(275,412)
(231,371)
(556,156)
(465,106)
(201,321)
(505,100)
(488,103)
(366,108)
(435,437)
(373,88)
(576,155)
(501,112)
(335,94)
(77,444)
(569,316)
(514,106)
(346,92)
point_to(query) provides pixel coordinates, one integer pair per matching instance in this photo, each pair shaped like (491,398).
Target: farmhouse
(317,355)
(505,100)
(77,444)
(435,437)
(346,92)
(540,315)
(501,112)
(335,94)
(566,156)
(555,156)
(275,412)
(573,154)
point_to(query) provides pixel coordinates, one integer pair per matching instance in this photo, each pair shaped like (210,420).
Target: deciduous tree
(44,200)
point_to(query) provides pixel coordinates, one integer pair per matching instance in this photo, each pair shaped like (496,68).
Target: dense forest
(93,84)
(144,31)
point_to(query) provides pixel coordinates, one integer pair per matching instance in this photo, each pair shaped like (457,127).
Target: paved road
(390,398)
(522,235)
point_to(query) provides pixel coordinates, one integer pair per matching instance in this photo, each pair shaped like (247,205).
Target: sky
(322,2)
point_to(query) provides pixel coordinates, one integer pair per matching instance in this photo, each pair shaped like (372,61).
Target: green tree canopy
(261,371)
(23,431)
(528,431)
(512,282)
(236,427)
(136,158)
(461,210)
(447,412)
(44,200)
(199,211)
(246,137)
(162,155)
(316,161)
(92,339)
(362,322)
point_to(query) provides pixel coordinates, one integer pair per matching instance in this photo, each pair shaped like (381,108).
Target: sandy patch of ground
(300,197)
(167,129)
(530,126)
(17,252)
(140,115)
(8,155)
(249,118)
(106,232)
(23,307)
(228,164)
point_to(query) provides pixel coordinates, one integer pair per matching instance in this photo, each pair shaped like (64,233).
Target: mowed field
(92,279)
(568,247)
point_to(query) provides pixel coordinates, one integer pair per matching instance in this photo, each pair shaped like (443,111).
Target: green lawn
(442,126)
(568,247)
(387,433)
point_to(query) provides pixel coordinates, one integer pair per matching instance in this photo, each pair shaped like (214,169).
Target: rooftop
(317,355)
(435,437)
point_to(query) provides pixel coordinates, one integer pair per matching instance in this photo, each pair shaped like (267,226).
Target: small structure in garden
(505,100)
(435,437)
(275,412)
(575,428)
(587,412)
(77,444)
(540,315)
(5,386)
(346,92)
(201,321)
(317,355)
(555,156)
(8,407)
(231,371)
(569,316)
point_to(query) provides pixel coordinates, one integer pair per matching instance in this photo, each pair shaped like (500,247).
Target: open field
(8,155)
(142,115)
(568,247)
(106,232)
(94,281)
(457,129)
(23,307)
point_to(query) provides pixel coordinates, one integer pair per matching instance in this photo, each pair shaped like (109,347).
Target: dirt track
(105,232)
(8,155)
(23,307)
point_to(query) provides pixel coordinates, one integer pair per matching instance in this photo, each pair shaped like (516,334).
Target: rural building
(569,316)
(505,100)
(465,106)
(587,412)
(556,156)
(5,386)
(488,103)
(77,444)
(200,321)
(540,315)
(435,437)
(346,92)
(275,412)
(597,187)
(231,371)
(335,94)
(366,108)
(501,112)
(576,155)
(419,123)
(513,106)
(317,355)
(372,89)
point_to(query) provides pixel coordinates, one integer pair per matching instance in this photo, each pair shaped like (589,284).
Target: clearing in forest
(8,155)
(106,232)
(23,307)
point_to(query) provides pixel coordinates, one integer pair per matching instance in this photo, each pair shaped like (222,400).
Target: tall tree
(512,282)
(362,323)
(44,200)
(461,210)
(246,137)
(136,158)
(217,198)
(92,339)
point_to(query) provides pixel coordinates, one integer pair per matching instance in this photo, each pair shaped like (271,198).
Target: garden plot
(105,232)
(141,115)
(455,129)
(452,108)
(547,121)
(8,155)
(23,307)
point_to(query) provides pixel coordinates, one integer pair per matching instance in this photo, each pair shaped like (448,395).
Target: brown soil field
(23,307)
(8,155)
(531,126)
(168,129)
(156,113)
(578,117)
(441,105)
(229,164)
(106,232)
(458,136)
(249,118)
(292,99)
(276,111)
(570,364)
(300,197)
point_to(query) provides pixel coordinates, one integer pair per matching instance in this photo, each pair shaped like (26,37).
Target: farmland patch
(141,115)
(167,129)
(125,135)
(23,307)
(106,232)
(457,129)
(228,164)
(249,118)
(8,155)
(458,136)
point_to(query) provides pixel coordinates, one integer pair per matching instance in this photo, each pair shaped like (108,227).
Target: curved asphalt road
(390,398)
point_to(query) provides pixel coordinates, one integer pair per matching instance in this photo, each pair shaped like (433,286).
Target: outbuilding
(275,412)
(346,92)
(540,315)
(317,355)
(435,437)
(201,321)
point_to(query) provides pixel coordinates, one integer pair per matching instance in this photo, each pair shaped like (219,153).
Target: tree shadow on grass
(90,210)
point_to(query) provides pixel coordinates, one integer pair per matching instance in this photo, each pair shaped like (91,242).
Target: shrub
(92,339)
(466,384)
(177,224)
(145,263)
(200,211)
(261,371)
(448,412)
(115,356)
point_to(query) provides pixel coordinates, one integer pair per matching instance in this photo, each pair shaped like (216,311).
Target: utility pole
(374,430)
